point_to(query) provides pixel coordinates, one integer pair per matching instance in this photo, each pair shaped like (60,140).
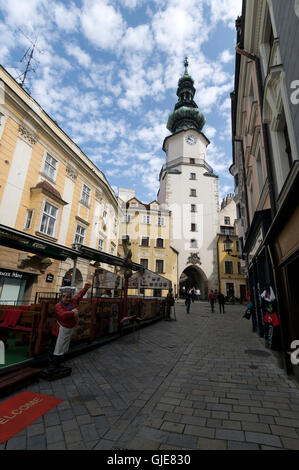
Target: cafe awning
(25,242)
(102,257)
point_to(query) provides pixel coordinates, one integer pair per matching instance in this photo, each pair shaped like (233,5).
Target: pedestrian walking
(188,302)
(221,302)
(198,294)
(211,299)
(169,304)
(193,295)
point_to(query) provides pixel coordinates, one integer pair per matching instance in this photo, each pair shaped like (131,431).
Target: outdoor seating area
(26,330)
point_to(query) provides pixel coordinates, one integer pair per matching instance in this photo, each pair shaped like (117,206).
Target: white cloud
(226,57)
(82,57)
(66,18)
(102,24)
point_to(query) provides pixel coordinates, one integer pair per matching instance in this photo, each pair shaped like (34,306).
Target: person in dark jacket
(169,304)
(188,302)
(221,302)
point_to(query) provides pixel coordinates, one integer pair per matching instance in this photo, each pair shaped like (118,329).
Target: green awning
(102,257)
(23,241)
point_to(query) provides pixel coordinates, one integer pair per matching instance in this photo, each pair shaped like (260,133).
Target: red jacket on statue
(64,315)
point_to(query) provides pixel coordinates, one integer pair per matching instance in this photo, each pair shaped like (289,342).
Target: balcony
(182,160)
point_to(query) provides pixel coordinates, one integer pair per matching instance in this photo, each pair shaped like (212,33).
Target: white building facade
(189,189)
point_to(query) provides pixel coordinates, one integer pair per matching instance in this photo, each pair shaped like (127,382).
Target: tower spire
(186,63)
(186,114)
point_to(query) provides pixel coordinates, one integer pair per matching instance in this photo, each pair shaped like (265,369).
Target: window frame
(47,165)
(156,266)
(30,220)
(77,234)
(49,216)
(83,194)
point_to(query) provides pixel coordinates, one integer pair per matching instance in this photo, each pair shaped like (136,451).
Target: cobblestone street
(186,384)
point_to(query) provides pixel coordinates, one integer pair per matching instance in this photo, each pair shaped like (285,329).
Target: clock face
(191,139)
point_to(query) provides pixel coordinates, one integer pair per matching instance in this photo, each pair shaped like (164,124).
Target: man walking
(188,302)
(221,301)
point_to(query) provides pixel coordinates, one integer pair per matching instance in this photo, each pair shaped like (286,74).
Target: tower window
(192,176)
(192,192)
(193,208)
(192,161)
(193,227)
(193,243)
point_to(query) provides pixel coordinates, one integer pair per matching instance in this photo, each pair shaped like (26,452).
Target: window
(85,196)
(146,219)
(79,235)
(193,228)
(160,243)
(193,192)
(237,246)
(193,243)
(145,241)
(101,244)
(161,221)
(192,176)
(239,268)
(49,218)
(192,161)
(144,263)
(239,211)
(226,230)
(112,249)
(227,220)
(236,181)
(193,208)
(159,266)
(105,211)
(28,219)
(50,167)
(229,267)
(127,218)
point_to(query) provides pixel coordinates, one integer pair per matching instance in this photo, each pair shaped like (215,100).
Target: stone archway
(194,276)
(67,279)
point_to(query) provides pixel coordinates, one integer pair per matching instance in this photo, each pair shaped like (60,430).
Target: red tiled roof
(48,187)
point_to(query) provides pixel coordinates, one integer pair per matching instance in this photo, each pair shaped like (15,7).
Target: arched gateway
(193,276)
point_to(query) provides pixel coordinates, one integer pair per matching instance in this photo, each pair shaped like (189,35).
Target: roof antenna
(28,54)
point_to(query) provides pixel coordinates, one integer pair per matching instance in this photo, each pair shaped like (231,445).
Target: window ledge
(47,237)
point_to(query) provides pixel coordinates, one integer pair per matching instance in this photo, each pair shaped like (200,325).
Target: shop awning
(22,241)
(102,257)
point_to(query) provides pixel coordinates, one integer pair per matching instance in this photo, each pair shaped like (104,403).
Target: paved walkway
(185,384)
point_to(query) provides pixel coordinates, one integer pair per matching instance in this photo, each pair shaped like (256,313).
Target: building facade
(232,273)
(148,228)
(48,189)
(265,148)
(189,189)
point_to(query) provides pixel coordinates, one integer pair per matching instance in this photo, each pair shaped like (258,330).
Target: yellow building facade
(148,228)
(49,189)
(231,268)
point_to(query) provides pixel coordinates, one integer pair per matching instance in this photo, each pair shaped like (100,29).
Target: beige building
(48,189)
(232,278)
(148,227)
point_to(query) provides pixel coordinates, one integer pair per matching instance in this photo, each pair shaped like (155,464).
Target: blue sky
(107,72)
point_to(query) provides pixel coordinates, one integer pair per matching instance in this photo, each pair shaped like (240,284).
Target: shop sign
(148,280)
(50,278)
(12,274)
(107,280)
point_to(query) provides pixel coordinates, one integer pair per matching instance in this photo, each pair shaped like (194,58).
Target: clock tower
(189,189)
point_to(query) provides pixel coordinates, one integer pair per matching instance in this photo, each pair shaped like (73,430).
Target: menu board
(149,280)
(107,280)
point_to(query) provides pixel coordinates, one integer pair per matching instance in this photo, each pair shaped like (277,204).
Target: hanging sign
(148,280)
(50,278)
(107,280)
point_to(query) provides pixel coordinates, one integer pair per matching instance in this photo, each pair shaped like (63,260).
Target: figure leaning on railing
(66,319)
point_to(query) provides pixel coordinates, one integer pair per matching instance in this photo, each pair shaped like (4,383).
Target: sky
(107,72)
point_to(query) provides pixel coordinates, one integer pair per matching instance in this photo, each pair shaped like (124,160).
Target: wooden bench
(17,379)
(27,324)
